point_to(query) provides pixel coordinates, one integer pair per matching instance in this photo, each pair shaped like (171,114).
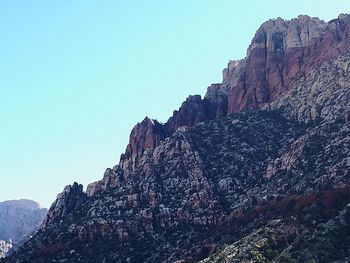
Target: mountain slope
(253,185)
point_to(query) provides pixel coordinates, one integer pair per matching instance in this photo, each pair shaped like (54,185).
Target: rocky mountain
(18,219)
(256,171)
(280,53)
(5,248)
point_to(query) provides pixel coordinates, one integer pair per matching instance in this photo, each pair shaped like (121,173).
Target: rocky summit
(256,171)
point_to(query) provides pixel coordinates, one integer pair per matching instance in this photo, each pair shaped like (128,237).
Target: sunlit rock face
(267,183)
(281,52)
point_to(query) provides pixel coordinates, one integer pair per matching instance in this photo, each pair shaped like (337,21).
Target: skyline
(77,77)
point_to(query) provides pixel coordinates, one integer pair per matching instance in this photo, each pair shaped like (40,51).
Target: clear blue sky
(77,75)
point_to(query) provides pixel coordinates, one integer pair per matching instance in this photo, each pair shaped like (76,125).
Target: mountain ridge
(217,173)
(216,103)
(281,52)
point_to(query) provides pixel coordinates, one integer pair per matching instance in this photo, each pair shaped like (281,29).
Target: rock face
(66,202)
(280,53)
(147,134)
(252,186)
(321,97)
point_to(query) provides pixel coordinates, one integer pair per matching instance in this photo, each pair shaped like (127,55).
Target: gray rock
(19,218)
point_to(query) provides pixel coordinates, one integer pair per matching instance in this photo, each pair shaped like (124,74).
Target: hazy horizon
(77,76)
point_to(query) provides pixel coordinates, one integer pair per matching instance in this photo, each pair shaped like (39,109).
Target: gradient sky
(77,75)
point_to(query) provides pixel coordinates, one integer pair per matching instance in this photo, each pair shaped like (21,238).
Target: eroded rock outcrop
(65,203)
(324,95)
(215,179)
(281,52)
(145,135)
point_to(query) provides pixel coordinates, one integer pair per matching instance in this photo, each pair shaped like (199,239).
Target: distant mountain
(5,247)
(18,219)
(256,171)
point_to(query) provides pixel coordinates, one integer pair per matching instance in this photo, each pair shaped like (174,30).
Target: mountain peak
(280,53)
(286,34)
(22,203)
(146,134)
(262,165)
(71,197)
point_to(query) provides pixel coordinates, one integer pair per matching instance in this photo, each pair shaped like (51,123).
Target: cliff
(251,172)
(281,52)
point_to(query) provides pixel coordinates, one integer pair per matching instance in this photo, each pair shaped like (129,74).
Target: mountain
(280,53)
(5,248)
(256,171)
(18,219)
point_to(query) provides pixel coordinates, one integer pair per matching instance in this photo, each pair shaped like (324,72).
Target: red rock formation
(146,134)
(149,133)
(191,112)
(281,52)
